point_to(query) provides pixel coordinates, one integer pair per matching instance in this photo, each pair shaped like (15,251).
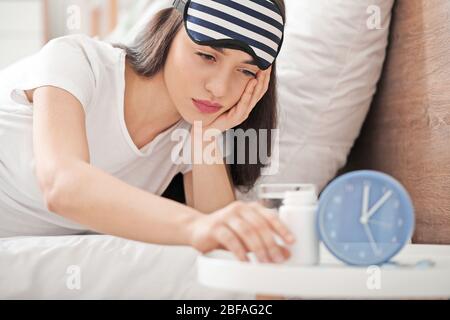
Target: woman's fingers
(257,92)
(267,81)
(263,81)
(275,251)
(277,226)
(248,93)
(250,237)
(286,253)
(250,227)
(261,76)
(274,221)
(246,98)
(252,94)
(231,242)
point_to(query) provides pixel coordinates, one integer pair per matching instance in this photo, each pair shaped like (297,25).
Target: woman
(85,130)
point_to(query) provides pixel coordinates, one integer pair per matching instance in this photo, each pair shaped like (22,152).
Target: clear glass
(271,195)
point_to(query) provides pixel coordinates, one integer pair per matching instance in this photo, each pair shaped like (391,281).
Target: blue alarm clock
(365,217)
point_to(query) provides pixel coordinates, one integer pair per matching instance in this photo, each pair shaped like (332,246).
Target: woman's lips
(205,108)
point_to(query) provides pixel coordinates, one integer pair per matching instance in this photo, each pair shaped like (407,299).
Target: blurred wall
(407,131)
(22,29)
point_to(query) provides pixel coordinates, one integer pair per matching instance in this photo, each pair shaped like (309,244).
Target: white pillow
(327,71)
(100,267)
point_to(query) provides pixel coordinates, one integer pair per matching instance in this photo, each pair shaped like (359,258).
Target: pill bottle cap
(300,197)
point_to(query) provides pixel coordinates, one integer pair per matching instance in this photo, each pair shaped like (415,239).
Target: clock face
(365,217)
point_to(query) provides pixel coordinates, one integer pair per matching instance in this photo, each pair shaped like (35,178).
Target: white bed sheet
(100,267)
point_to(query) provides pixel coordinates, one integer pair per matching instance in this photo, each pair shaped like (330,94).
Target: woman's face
(195,72)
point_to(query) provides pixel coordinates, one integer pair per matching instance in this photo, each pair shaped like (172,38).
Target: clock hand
(377,205)
(371,239)
(365,204)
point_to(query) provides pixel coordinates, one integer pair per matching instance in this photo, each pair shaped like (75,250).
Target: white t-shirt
(94,72)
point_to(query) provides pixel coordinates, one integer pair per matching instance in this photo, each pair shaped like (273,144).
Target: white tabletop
(332,278)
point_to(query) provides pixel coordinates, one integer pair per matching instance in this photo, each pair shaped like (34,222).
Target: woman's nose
(219,85)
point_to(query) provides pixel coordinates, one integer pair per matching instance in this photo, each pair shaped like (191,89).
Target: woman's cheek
(196,61)
(238,91)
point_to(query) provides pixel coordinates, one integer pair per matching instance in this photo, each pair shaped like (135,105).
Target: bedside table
(332,279)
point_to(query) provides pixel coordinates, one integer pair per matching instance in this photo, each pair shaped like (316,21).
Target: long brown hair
(147,56)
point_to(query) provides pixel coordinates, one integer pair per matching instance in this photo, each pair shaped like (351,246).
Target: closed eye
(211,58)
(206,56)
(251,74)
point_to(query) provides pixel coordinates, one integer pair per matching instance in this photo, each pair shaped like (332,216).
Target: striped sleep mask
(254,26)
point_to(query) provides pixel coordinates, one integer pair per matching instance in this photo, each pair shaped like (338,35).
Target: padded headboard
(407,131)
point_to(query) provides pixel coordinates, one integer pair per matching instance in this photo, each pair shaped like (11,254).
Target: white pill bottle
(299,213)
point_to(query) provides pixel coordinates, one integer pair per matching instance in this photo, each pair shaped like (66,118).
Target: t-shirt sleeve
(185,168)
(63,63)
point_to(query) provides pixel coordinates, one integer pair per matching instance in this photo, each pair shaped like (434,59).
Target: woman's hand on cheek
(254,91)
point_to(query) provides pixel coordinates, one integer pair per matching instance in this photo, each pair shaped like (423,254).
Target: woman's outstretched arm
(75,189)
(83,193)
